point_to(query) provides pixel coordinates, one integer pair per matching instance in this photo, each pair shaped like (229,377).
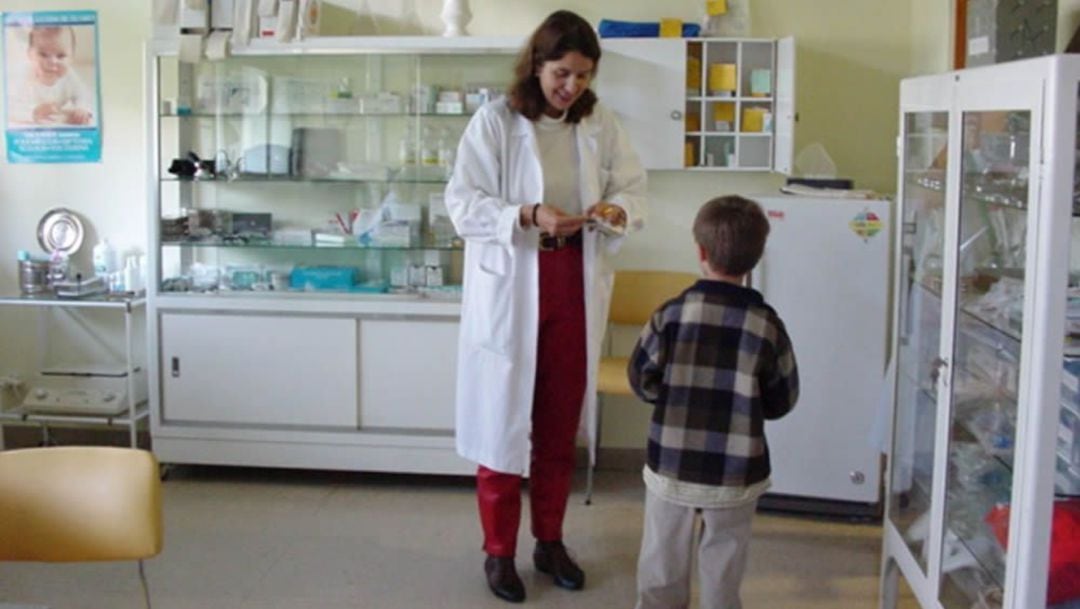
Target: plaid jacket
(716,362)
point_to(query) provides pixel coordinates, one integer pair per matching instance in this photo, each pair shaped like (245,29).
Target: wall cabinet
(704,103)
(984,469)
(305,277)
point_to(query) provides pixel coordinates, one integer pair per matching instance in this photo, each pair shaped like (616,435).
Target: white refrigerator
(826,271)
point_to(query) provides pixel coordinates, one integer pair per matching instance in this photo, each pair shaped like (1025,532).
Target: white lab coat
(497,171)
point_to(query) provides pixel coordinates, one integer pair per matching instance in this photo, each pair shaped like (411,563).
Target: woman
(535,173)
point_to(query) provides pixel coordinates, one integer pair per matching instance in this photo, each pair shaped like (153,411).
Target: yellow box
(753,120)
(693,122)
(693,74)
(688,154)
(671,28)
(722,78)
(715,7)
(724,112)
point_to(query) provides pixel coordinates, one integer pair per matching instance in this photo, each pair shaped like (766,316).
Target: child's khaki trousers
(667,550)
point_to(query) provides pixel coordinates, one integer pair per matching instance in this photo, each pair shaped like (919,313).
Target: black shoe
(503,579)
(550,557)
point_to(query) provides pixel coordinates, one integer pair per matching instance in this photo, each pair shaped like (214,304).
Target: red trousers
(556,410)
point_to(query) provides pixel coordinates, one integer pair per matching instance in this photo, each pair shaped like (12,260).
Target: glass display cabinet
(304,273)
(984,462)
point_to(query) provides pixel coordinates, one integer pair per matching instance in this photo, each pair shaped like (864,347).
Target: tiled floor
(269,539)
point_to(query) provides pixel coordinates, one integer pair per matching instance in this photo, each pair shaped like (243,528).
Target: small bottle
(131,275)
(58,267)
(344,90)
(104,259)
(429,151)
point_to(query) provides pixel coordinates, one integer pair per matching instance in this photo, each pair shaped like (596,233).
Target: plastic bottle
(131,275)
(104,259)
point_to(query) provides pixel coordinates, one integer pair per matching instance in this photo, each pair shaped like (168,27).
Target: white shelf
(382,45)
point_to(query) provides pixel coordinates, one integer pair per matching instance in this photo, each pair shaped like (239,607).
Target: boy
(715,362)
(50,93)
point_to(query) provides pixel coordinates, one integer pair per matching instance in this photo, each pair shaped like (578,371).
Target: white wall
(931,36)
(110,195)
(850,58)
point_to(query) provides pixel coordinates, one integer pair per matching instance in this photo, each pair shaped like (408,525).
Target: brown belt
(550,243)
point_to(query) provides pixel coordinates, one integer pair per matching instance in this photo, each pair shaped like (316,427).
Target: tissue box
(322,278)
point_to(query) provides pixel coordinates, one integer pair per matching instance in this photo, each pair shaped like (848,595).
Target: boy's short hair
(732,230)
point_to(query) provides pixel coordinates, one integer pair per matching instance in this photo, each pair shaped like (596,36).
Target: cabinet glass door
(314,174)
(923,208)
(1062,588)
(986,356)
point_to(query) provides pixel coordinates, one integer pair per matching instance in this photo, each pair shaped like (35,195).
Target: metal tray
(60,230)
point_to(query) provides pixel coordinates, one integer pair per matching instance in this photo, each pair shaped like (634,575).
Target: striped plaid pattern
(715,362)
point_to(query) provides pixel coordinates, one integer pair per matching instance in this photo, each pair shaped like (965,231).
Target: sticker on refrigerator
(865,224)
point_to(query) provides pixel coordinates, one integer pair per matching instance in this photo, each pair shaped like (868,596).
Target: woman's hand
(554,221)
(608,212)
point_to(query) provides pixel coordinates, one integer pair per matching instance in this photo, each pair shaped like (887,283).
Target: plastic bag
(1064,584)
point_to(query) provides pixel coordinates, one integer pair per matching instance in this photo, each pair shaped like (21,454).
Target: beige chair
(80,503)
(635,296)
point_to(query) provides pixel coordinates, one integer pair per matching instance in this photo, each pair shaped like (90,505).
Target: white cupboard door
(258,370)
(784,148)
(408,371)
(643,80)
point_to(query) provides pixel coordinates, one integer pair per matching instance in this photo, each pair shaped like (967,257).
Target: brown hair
(732,230)
(561,33)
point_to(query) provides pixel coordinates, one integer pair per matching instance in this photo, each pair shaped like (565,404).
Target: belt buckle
(549,243)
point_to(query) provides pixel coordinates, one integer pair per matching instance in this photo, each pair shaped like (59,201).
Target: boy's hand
(77,116)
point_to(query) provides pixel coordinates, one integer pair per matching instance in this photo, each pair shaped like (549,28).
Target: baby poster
(52,101)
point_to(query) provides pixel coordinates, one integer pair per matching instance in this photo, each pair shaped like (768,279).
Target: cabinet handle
(676,115)
(935,369)
(176,367)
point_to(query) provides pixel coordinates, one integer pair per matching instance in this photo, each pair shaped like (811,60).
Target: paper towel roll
(217,45)
(191,47)
(286,21)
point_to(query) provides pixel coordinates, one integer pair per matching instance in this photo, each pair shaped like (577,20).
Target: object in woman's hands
(608,219)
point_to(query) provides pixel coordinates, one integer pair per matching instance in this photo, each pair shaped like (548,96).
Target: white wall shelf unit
(304,298)
(714,104)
